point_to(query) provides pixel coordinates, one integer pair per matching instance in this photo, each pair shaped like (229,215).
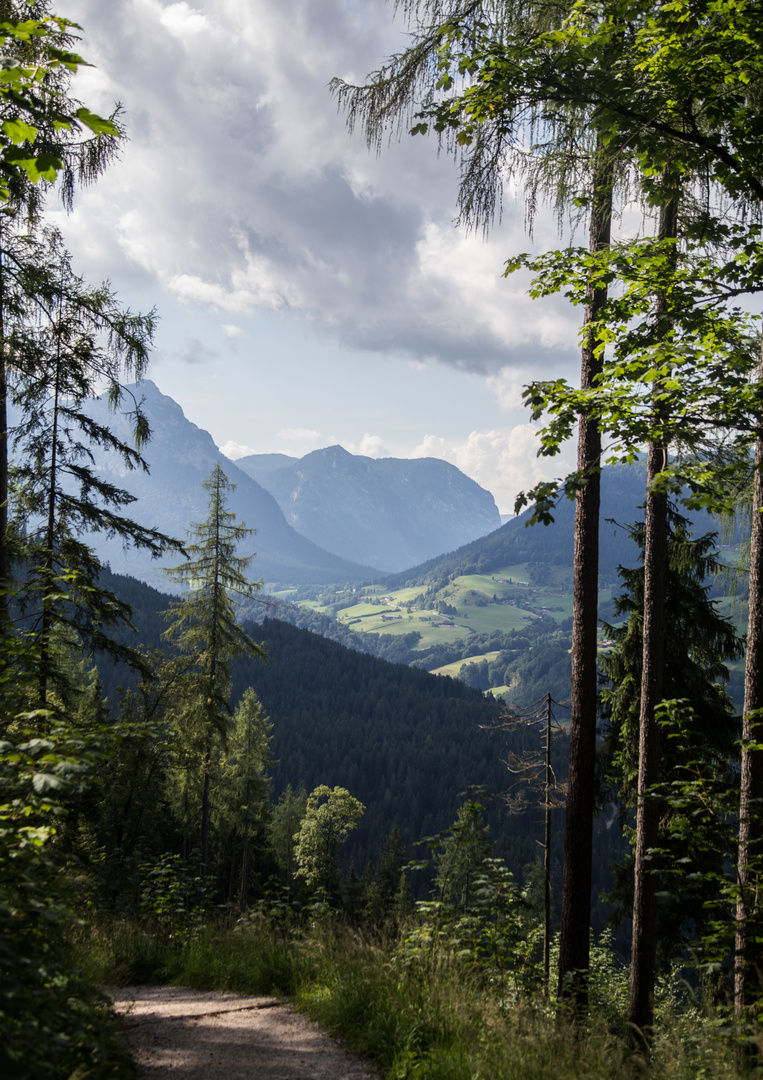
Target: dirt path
(194,1035)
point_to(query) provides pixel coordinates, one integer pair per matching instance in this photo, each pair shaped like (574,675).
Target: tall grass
(433,1020)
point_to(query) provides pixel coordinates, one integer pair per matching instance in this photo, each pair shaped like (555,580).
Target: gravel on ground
(198,1035)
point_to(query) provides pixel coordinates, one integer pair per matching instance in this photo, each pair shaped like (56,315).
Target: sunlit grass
(432,1021)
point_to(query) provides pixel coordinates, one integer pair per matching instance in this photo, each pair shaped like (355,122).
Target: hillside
(496,612)
(404,742)
(389,513)
(171,498)
(622,495)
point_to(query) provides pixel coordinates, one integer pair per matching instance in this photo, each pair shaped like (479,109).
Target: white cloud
(240,189)
(372,446)
(234,450)
(504,462)
(302,440)
(231,331)
(180,20)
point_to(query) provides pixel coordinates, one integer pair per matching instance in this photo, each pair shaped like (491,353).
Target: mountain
(404,742)
(622,496)
(389,513)
(171,497)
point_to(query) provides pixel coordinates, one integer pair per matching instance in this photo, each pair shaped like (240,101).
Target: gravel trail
(197,1035)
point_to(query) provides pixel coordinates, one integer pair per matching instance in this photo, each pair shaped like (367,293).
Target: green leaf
(45,782)
(97,124)
(17,131)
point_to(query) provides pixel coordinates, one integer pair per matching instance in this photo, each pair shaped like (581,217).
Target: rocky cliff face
(171,498)
(389,513)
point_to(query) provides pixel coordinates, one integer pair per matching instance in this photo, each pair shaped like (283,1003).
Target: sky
(309,292)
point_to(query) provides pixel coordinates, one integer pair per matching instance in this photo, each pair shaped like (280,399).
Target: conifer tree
(695,647)
(203,625)
(70,341)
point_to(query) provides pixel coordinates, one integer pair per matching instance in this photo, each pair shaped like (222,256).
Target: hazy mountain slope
(262,466)
(389,513)
(404,742)
(181,456)
(622,495)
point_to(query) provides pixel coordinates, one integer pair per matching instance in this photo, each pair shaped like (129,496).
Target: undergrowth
(436,1017)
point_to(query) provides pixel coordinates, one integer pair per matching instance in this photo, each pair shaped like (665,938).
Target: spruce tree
(203,625)
(695,642)
(69,341)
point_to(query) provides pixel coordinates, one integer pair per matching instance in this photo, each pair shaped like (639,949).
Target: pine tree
(203,624)
(69,341)
(694,647)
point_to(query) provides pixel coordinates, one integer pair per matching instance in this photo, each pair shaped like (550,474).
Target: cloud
(234,450)
(504,462)
(302,440)
(231,332)
(372,446)
(195,352)
(240,189)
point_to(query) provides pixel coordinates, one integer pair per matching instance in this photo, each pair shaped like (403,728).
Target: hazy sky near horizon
(309,292)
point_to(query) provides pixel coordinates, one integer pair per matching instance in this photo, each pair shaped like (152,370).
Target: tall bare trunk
(245,854)
(578,840)
(748,952)
(46,625)
(644,940)
(547,857)
(205,818)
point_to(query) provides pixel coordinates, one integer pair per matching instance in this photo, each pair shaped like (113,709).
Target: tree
(748,950)
(285,823)
(695,648)
(245,782)
(203,624)
(40,124)
(630,64)
(572,162)
(463,852)
(70,341)
(331,814)
(41,141)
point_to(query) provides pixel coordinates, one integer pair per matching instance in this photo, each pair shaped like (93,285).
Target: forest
(191,796)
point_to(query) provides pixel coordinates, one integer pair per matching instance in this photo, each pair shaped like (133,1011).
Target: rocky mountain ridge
(389,513)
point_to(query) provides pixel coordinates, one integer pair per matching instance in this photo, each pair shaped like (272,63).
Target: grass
(454,668)
(431,1020)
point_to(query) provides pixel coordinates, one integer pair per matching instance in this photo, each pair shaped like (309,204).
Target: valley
(494,619)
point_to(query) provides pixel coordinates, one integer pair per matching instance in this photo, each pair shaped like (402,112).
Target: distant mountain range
(171,498)
(389,513)
(341,517)
(622,497)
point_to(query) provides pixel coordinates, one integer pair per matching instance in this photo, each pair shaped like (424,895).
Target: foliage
(285,822)
(203,624)
(408,1021)
(52,1020)
(330,815)
(36,50)
(699,643)
(66,341)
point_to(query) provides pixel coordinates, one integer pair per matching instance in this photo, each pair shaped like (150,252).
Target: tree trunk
(46,624)
(5,568)
(644,940)
(578,840)
(547,858)
(747,976)
(245,856)
(205,819)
